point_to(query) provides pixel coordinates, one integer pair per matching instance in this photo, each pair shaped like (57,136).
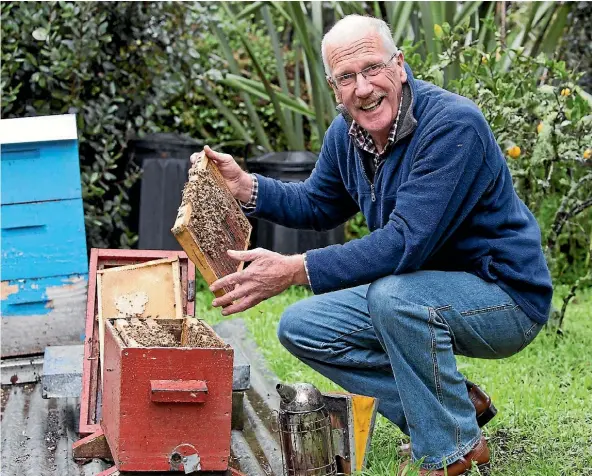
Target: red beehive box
(168,408)
(90,401)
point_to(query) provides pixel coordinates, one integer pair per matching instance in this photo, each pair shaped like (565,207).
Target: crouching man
(453,264)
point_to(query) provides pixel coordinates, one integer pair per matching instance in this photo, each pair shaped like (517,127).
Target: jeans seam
(444,321)
(499,307)
(529,331)
(432,314)
(340,336)
(434,358)
(349,359)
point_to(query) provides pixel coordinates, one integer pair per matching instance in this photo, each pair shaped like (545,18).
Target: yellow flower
(565,92)
(438,31)
(540,127)
(587,154)
(484,60)
(514,152)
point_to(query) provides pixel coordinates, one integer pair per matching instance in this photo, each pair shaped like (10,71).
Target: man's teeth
(371,107)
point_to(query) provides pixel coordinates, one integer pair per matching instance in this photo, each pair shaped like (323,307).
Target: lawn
(543,395)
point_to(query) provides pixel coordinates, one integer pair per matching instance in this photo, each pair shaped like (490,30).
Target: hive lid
(38,129)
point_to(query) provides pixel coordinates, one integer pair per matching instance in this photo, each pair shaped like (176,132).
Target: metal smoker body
(305,431)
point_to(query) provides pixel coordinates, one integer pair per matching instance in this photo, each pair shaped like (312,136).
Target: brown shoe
(483,408)
(479,454)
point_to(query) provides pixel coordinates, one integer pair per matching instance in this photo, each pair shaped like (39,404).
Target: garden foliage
(247,78)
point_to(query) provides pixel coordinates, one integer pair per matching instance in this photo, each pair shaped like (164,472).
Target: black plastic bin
(164,159)
(288,167)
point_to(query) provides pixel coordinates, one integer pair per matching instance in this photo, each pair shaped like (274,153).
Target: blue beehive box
(44,262)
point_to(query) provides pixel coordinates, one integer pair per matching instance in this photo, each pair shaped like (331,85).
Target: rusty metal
(305,432)
(185,458)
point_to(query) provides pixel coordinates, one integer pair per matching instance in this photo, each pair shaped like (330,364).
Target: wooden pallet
(236,230)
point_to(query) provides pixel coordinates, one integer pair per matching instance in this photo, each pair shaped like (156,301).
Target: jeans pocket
(493,332)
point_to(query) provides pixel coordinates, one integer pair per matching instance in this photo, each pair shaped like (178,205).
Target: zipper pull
(372,192)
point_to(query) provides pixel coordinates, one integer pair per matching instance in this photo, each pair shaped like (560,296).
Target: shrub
(125,69)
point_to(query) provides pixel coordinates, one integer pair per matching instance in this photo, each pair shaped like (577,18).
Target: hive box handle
(178,391)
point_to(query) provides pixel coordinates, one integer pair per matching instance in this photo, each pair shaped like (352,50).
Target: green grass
(543,394)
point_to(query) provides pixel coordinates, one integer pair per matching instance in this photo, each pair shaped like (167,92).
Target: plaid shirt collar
(364,139)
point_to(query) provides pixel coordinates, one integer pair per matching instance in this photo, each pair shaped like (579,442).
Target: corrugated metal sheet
(37,434)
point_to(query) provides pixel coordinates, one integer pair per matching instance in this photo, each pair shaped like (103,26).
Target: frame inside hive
(210,222)
(151,289)
(186,332)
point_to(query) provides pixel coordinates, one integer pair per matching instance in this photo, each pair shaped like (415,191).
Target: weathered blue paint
(31,297)
(43,239)
(35,172)
(43,260)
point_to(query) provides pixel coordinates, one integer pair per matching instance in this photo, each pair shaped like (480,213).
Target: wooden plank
(210,257)
(120,325)
(92,446)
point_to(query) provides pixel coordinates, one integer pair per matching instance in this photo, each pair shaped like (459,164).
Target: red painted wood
(85,399)
(142,434)
(99,259)
(178,391)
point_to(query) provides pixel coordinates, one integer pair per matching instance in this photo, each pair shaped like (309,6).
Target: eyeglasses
(347,79)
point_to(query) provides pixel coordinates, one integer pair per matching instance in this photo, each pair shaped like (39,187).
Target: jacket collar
(408,122)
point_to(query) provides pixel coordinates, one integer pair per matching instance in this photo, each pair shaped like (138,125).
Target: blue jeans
(396,340)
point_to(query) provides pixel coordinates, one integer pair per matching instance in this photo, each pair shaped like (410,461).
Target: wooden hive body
(90,401)
(158,401)
(207,247)
(43,261)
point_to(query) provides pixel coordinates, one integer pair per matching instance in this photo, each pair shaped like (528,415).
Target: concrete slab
(62,371)
(241,377)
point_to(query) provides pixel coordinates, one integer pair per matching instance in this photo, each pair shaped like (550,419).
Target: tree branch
(563,214)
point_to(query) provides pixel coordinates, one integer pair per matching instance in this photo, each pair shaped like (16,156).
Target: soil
(213,215)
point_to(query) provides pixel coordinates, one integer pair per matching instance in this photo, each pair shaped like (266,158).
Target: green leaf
(40,34)
(255,88)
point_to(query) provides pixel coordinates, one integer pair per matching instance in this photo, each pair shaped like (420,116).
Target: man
(453,263)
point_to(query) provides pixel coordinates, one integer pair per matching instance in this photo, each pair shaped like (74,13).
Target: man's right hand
(239,182)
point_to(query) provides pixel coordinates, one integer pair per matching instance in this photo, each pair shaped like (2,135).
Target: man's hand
(239,182)
(268,274)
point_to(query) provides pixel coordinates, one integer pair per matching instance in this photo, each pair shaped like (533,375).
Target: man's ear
(401,63)
(335,90)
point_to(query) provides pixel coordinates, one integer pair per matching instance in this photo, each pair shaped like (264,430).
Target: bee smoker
(305,431)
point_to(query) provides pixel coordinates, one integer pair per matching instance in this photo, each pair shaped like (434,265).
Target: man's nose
(363,86)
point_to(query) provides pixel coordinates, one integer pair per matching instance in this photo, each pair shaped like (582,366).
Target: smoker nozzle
(287,392)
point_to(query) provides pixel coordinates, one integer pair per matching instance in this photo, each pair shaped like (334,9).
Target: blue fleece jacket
(442,200)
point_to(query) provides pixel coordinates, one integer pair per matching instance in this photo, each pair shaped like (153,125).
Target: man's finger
(227,281)
(242,305)
(228,298)
(217,157)
(248,255)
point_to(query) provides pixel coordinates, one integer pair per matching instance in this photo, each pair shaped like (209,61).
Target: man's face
(373,102)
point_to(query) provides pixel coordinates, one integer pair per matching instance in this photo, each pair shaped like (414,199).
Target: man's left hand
(268,274)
